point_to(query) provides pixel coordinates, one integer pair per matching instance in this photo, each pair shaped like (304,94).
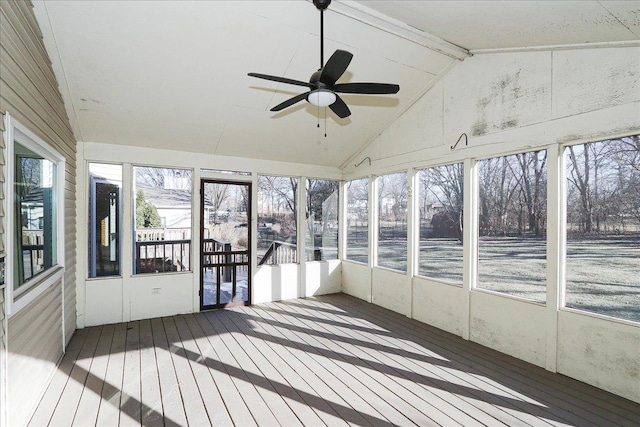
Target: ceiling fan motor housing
(315,80)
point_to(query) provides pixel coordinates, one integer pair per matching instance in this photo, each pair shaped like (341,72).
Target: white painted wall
(356,280)
(602,352)
(323,277)
(438,304)
(389,289)
(509,102)
(276,282)
(508,325)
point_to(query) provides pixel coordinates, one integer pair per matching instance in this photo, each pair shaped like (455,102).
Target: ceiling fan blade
(340,108)
(282,80)
(290,101)
(335,66)
(367,88)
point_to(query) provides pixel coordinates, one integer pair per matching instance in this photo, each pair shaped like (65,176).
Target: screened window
(392,221)
(162,204)
(277,220)
(321,233)
(512,224)
(441,209)
(105,212)
(358,220)
(603,227)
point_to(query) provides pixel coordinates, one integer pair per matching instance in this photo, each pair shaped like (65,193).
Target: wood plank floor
(331,360)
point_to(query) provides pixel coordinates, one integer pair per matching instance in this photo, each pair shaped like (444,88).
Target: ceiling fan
(322,84)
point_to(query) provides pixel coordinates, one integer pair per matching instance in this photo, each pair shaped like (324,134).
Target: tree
(445,184)
(216,194)
(498,186)
(146,214)
(280,196)
(533,186)
(587,172)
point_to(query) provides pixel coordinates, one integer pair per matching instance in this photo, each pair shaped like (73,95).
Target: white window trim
(20,298)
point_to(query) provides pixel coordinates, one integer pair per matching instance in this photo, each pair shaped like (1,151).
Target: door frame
(249,185)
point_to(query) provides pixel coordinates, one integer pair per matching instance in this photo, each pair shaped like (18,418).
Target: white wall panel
(275,283)
(511,326)
(356,280)
(103,302)
(588,80)
(491,93)
(600,352)
(324,277)
(438,304)
(160,295)
(390,289)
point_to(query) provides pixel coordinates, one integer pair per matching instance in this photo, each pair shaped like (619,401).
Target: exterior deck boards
(149,379)
(591,405)
(331,360)
(401,363)
(405,382)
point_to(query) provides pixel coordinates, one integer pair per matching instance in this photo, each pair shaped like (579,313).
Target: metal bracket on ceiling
(466,141)
(362,161)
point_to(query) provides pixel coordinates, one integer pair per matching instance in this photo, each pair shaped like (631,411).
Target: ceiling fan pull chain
(325,122)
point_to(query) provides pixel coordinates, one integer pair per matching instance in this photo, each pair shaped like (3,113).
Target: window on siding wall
(358,220)
(392,221)
(105,212)
(277,220)
(321,232)
(162,220)
(36,213)
(441,208)
(603,227)
(512,224)
(35,239)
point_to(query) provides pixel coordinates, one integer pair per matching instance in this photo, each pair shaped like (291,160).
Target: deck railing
(32,252)
(158,256)
(285,253)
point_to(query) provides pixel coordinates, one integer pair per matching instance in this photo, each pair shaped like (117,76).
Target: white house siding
(3,320)
(508,102)
(37,333)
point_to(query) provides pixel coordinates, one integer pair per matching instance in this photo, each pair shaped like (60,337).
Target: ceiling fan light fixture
(321,97)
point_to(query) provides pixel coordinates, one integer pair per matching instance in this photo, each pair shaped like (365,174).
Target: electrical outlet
(155,291)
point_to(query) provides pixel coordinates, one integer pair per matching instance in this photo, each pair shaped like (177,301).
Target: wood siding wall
(3,347)
(30,94)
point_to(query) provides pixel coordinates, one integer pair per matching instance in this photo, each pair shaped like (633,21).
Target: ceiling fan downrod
(321,5)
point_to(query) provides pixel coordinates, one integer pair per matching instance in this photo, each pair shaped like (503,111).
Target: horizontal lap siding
(30,95)
(35,347)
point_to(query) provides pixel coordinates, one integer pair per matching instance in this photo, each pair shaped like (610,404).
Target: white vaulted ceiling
(173,74)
